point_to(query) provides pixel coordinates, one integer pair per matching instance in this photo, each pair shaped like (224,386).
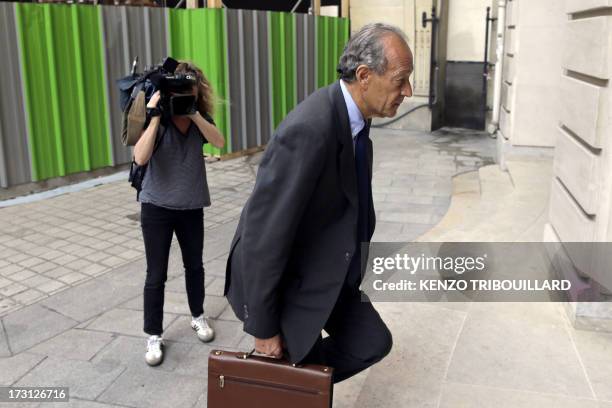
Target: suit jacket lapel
(347,155)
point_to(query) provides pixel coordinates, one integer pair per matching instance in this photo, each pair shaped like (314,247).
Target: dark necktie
(364,194)
(363,184)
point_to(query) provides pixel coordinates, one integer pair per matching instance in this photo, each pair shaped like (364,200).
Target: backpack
(135,90)
(133,98)
(137,173)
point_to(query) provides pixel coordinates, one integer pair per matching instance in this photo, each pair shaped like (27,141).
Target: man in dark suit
(295,267)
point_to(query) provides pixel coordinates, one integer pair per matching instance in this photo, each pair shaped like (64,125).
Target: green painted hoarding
(62,65)
(332,35)
(200,37)
(283,72)
(64,60)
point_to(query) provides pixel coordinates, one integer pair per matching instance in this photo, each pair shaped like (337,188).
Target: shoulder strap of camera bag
(137,173)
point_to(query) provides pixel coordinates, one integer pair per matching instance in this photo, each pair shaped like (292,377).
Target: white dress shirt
(356,119)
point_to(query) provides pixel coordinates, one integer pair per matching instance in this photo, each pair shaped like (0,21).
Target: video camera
(136,89)
(177,90)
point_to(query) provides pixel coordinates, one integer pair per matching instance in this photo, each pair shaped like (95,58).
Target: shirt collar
(355,117)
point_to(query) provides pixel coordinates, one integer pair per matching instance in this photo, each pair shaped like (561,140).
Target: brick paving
(48,246)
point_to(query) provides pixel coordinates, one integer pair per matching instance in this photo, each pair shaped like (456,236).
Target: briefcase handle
(244,356)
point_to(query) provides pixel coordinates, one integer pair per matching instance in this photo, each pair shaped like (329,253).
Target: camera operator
(174,192)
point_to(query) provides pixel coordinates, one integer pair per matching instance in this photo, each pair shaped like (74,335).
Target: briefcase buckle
(244,356)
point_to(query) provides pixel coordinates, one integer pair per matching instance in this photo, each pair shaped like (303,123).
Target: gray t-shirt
(176,175)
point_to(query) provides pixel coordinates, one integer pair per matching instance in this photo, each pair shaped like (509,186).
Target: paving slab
(15,367)
(477,396)
(195,362)
(216,267)
(177,284)
(5,350)
(521,346)
(407,198)
(130,351)
(595,351)
(92,298)
(125,321)
(134,273)
(214,306)
(411,375)
(247,343)
(78,403)
(154,388)
(32,325)
(201,402)
(74,344)
(84,379)
(228,314)
(406,217)
(347,392)
(174,302)
(25,404)
(216,287)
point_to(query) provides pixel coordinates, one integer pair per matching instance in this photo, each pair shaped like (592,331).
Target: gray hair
(366,47)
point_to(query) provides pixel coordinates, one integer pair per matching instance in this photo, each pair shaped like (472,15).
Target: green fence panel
(63,71)
(332,35)
(283,71)
(199,36)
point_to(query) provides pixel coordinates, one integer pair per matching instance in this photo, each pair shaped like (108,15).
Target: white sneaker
(155,351)
(202,328)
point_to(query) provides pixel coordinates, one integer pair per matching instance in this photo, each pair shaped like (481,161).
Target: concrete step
(491,205)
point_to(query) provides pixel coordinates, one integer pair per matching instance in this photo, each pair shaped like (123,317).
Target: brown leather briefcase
(242,380)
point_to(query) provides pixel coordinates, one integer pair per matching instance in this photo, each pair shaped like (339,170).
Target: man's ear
(363,74)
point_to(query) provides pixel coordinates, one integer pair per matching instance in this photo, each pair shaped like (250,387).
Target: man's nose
(407,90)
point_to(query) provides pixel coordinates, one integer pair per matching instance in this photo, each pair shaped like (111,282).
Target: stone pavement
(72,270)
(518,355)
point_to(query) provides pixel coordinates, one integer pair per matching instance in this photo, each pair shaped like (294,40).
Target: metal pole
(497,84)
(433,65)
(485,67)
(486,50)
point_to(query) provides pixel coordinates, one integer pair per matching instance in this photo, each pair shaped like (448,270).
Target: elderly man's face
(384,93)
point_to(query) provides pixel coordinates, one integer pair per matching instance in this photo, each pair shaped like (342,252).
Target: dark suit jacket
(297,232)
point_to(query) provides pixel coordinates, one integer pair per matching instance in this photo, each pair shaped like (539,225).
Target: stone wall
(531,73)
(581,203)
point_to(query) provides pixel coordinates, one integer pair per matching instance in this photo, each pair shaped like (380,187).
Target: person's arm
(286,179)
(208,130)
(143,150)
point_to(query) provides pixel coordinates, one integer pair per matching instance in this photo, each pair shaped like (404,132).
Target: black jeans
(358,337)
(158,225)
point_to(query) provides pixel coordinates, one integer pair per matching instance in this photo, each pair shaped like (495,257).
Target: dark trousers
(158,225)
(358,338)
